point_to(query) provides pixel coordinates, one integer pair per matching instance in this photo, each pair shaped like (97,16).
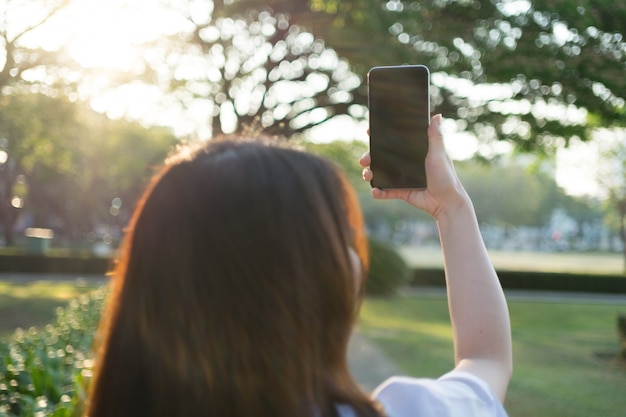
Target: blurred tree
(111,165)
(345,154)
(254,70)
(532,72)
(506,193)
(69,167)
(19,59)
(37,135)
(612,177)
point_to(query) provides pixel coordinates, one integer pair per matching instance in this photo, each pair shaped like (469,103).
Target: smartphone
(399,114)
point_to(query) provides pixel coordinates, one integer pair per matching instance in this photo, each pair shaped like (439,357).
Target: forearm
(478,309)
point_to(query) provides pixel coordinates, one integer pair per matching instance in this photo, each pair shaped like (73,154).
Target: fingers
(377,192)
(383,194)
(365,160)
(405,195)
(367,174)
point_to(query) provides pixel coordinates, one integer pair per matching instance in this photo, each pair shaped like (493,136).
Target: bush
(26,263)
(388,271)
(44,372)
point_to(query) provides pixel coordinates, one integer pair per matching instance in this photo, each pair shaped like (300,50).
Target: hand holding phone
(399,114)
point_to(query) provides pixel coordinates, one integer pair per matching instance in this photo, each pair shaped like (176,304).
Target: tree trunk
(8,213)
(622,231)
(9,233)
(621,206)
(621,329)
(8,218)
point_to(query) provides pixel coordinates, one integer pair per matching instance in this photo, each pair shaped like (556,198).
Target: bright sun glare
(105,37)
(103,34)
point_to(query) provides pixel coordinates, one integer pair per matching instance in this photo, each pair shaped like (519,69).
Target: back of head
(235,294)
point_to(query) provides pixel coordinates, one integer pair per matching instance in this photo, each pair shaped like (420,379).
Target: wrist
(454,209)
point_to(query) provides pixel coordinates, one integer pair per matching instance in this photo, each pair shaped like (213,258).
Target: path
(369,365)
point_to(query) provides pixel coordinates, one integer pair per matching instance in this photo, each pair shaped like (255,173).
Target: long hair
(235,294)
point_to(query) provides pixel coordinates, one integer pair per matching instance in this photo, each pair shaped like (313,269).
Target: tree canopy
(532,72)
(65,164)
(535,73)
(23,61)
(253,70)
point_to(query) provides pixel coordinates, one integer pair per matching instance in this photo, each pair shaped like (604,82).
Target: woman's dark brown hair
(235,294)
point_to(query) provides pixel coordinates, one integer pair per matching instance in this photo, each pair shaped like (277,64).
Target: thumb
(435,137)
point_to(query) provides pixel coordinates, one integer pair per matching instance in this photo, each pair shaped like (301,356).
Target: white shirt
(455,394)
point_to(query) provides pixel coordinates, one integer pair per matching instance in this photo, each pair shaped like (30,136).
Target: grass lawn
(564,352)
(585,262)
(33,303)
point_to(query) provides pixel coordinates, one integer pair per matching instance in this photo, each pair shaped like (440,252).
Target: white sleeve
(454,394)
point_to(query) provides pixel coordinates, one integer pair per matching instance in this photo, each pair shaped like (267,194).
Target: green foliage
(115,159)
(387,272)
(67,163)
(46,371)
(614,181)
(345,154)
(37,135)
(37,130)
(508,194)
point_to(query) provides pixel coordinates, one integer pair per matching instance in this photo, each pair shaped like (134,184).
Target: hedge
(544,281)
(38,264)
(538,281)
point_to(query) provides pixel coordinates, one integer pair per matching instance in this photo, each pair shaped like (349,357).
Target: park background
(94,95)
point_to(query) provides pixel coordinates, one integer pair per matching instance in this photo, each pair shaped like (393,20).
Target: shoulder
(454,394)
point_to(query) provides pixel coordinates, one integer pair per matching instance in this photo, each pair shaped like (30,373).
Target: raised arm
(478,310)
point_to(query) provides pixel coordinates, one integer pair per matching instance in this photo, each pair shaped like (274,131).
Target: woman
(241,279)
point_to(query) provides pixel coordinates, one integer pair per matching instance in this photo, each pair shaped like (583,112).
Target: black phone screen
(399,114)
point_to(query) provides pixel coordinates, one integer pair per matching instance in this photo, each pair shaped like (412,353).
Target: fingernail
(437,121)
